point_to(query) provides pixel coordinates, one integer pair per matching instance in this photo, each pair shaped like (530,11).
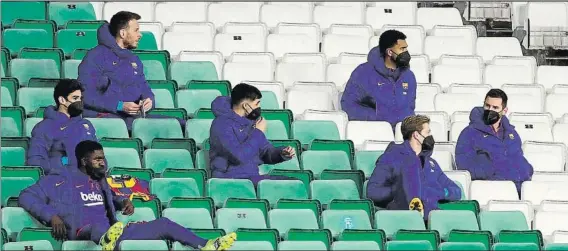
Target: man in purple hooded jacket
(55,137)
(238,143)
(78,205)
(407,177)
(383,88)
(113,76)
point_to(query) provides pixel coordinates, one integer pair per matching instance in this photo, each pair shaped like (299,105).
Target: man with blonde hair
(406,176)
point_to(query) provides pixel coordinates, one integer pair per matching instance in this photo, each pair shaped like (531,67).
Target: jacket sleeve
(379,188)
(411,183)
(145,87)
(412,89)
(355,102)
(239,152)
(272,155)
(451,190)
(39,148)
(96,83)
(34,200)
(473,159)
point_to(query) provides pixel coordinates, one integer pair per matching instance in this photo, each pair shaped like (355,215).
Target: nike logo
(79,186)
(485,135)
(63,128)
(59,183)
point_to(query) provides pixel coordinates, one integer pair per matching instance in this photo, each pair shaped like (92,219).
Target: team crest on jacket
(405,86)
(134,65)
(511,136)
(86,126)
(432,164)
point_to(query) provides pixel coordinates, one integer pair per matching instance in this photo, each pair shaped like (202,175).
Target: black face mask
(428,143)
(254,114)
(75,109)
(402,60)
(490,117)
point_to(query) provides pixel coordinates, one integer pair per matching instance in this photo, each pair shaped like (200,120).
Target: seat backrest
(339,13)
(489,47)
(354,245)
(478,89)
(469,61)
(445,75)
(221,13)
(537,191)
(525,207)
(548,222)
(420,66)
(327,190)
(222,189)
(144,9)
(24,69)
(23,245)
(391,221)
(484,190)
(237,73)
(273,14)
(445,221)
(160,159)
(308,130)
(169,12)
(425,94)
(338,117)
(525,98)
(149,129)
(545,157)
(201,217)
(33,98)
(467,31)
(386,13)
(533,131)
(339,220)
(214,57)
(109,127)
(436,46)
(550,75)
(359,131)
(447,102)
(280,219)
(430,17)
(463,178)
(555,105)
(122,157)
(334,44)
(528,61)
(502,220)
(299,101)
(230,219)
(174,42)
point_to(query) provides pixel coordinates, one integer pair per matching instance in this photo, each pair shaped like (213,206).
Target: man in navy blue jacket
(54,138)
(383,88)
(406,176)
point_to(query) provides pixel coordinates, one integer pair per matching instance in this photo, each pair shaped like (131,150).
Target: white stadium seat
(460,117)
(545,118)
(280,44)
(353,58)
(550,177)
(452,102)
(169,12)
(420,66)
(436,46)
(258,29)
(300,100)
(312,58)
(375,145)
(225,12)
(560,236)
(254,57)
(463,178)
(456,129)
(415,36)
(239,72)
(466,61)
(351,29)
(439,124)
(195,27)
(144,9)
(445,160)
(553,206)
(338,117)
(359,131)
(175,42)
(498,75)
(538,191)
(338,13)
(276,87)
(445,75)
(288,73)
(479,90)
(528,61)
(556,104)
(525,98)
(212,56)
(560,133)
(425,94)
(430,17)
(397,13)
(548,222)
(466,31)
(229,43)
(339,74)
(533,131)
(335,44)
(312,30)
(485,190)
(274,13)
(545,157)
(550,75)
(326,87)
(489,47)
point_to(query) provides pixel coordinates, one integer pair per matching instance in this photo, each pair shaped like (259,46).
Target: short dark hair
(413,124)
(65,87)
(388,39)
(85,148)
(244,91)
(120,21)
(497,93)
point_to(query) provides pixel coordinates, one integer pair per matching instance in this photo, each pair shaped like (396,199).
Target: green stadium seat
(204,113)
(462,246)
(140,214)
(200,217)
(313,205)
(418,235)
(6,57)
(346,146)
(302,245)
(252,245)
(511,236)
(515,246)
(318,161)
(355,245)
(483,237)
(12,85)
(260,204)
(231,219)
(303,219)
(355,175)
(47,25)
(365,161)
(28,245)
(109,127)
(23,142)
(276,130)
(274,190)
(80,245)
(338,220)
(16,39)
(198,130)
(162,56)
(169,85)
(393,220)
(471,205)
(446,220)
(292,164)
(155,205)
(196,174)
(167,188)
(170,112)
(132,143)
(34,172)
(71,68)
(54,54)
(14,219)
(222,86)
(141,173)
(24,69)
(11,123)
(191,203)
(183,71)
(79,54)
(321,235)
(43,82)
(193,100)
(305,176)
(143,245)
(148,41)
(364,204)
(4,238)
(202,160)
(69,40)
(374,235)
(268,235)
(269,100)
(12,186)
(185,144)
(38,234)
(308,130)
(327,190)
(84,25)
(61,12)
(160,159)
(149,129)
(222,189)
(39,112)
(409,246)
(556,247)
(164,98)
(13,156)
(153,70)
(122,157)
(495,221)
(22,10)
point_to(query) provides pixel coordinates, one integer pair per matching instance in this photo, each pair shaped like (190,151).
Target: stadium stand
(300,55)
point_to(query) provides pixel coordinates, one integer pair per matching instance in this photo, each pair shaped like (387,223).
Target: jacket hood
(106,39)
(222,107)
(52,114)
(405,149)
(376,58)
(476,120)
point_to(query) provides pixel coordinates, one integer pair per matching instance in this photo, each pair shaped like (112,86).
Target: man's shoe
(221,243)
(108,241)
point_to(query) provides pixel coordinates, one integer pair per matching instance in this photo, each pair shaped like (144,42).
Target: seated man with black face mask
(54,139)
(238,143)
(383,88)
(490,148)
(407,177)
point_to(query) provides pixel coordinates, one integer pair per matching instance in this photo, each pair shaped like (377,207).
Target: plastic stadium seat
(84,24)
(144,9)
(339,13)
(252,57)
(335,44)
(22,10)
(15,39)
(514,246)
(237,73)
(222,189)
(550,75)
(33,98)
(359,131)
(308,130)
(301,245)
(415,36)
(34,172)
(456,129)
(228,43)
(543,119)
(6,97)
(162,56)
(62,12)
(173,42)
(167,188)
(545,157)
(425,94)
(355,245)
(70,68)
(152,33)
(483,191)
(386,13)
(274,13)
(13,156)
(338,117)
(548,222)
(460,246)
(149,129)
(25,69)
(193,100)
(339,74)
(258,29)
(436,46)
(80,245)
(467,31)
(502,220)
(282,43)
(214,57)
(393,220)
(143,244)
(290,72)
(445,221)
(478,89)
(533,131)
(318,161)
(447,102)
(550,205)
(14,219)
(538,191)
(110,127)
(198,129)
(430,17)
(365,161)
(54,54)
(71,39)
(230,219)
(528,61)
(164,98)
(554,106)
(525,98)
(556,246)
(12,186)
(184,72)
(201,218)
(272,190)
(338,220)
(327,190)
(12,125)
(408,245)
(550,177)
(221,13)
(25,245)
(496,75)
(279,219)
(170,12)
(122,157)
(560,133)
(160,159)
(445,75)
(489,47)
(153,70)
(469,61)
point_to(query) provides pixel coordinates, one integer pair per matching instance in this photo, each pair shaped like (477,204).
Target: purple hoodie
(237,147)
(54,140)
(111,75)
(376,93)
